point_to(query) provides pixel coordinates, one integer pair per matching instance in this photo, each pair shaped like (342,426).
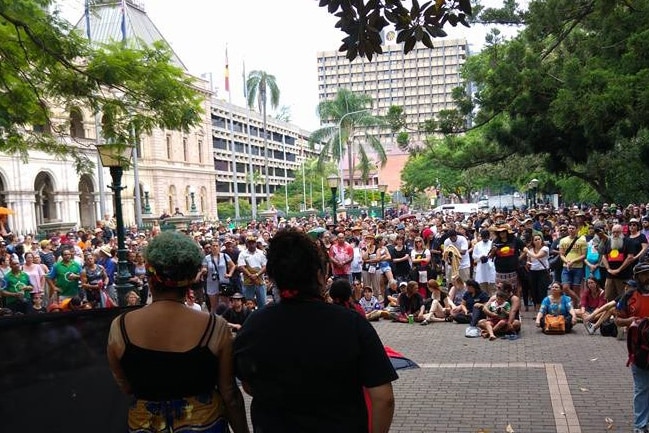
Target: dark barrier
(54,374)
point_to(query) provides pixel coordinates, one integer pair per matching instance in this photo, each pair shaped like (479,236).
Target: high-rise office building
(421,82)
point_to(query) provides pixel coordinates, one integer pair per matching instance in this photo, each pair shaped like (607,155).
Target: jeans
(257,292)
(640,397)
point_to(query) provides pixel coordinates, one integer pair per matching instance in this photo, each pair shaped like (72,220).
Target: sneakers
(640,430)
(590,328)
(424,323)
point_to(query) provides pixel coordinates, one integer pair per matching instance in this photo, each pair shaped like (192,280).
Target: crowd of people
(483,269)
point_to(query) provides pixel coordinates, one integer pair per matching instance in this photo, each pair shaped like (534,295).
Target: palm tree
(258,84)
(350,116)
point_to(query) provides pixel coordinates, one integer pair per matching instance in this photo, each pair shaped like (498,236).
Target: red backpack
(637,344)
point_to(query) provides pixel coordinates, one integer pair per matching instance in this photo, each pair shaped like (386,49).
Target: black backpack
(637,344)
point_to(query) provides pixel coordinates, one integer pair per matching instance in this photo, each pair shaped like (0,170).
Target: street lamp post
(147,206)
(116,157)
(382,189)
(332,181)
(534,183)
(192,196)
(340,149)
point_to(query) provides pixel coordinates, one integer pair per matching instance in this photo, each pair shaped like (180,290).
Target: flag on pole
(245,84)
(227,71)
(123,24)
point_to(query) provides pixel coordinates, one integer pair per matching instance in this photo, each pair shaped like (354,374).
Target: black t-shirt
(236,318)
(400,268)
(635,244)
(412,304)
(306,363)
(507,253)
(615,258)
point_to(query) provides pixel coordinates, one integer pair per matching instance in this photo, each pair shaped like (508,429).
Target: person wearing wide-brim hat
(144,343)
(505,252)
(236,314)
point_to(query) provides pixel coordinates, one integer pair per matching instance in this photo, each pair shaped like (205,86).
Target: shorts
(573,276)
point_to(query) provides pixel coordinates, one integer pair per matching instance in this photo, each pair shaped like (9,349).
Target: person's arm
(382,399)
(115,351)
(230,264)
(234,404)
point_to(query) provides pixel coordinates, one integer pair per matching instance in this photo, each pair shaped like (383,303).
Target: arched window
(76,124)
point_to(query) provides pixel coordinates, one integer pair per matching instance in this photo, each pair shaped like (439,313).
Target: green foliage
(45,64)
(363,22)
(566,98)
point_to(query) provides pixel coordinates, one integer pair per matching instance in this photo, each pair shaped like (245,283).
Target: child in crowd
(501,308)
(370,304)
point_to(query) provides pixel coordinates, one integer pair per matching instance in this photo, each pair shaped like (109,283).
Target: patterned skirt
(200,413)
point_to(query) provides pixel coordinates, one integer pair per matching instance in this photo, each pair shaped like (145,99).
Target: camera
(215,276)
(484,259)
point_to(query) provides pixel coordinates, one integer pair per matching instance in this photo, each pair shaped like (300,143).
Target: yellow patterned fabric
(202,413)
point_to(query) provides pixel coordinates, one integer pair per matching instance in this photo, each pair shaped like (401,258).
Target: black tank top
(157,375)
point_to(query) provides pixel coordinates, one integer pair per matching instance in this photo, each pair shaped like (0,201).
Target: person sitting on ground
(410,303)
(392,291)
(592,298)
(340,292)
(236,314)
(438,310)
(133,299)
(514,319)
(455,295)
(498,320)
(473,296)
(557,304)
(370,305)
(606,311)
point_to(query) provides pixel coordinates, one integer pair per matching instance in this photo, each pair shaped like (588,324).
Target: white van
(465,208)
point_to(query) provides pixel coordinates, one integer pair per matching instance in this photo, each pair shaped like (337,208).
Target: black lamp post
(382,190)
(116,157)
(192,195)
(147,206)
(534,183)
(332,181)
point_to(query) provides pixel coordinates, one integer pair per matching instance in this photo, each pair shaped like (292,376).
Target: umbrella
(399,362)
(316,231)
(6,211)
(407,216)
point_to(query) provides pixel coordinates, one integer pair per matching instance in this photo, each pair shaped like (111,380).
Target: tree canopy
(46,66)
(571,90)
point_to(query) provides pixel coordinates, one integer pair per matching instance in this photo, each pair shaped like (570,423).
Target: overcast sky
(281,37)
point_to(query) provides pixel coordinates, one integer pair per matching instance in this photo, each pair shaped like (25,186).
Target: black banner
(54,375)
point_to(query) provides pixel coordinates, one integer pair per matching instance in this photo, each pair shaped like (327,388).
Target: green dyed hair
(174,256)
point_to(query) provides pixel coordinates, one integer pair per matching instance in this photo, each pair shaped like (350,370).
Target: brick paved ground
(536,384)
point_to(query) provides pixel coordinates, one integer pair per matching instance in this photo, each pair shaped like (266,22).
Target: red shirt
(342,253)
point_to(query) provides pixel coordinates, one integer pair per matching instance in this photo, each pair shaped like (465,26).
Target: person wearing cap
(252,264)
(237,313)
(633,306)
(309,381)
(143,345)
(63,278)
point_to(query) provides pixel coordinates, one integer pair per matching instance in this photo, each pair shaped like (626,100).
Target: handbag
(555,324)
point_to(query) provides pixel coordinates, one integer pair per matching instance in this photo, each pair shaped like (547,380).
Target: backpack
(637,344)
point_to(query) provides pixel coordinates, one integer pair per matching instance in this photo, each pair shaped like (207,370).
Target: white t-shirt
(462,245)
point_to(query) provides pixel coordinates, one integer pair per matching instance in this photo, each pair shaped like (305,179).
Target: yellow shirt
(577,250)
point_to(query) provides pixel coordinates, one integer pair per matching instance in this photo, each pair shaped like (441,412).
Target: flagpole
(235,182)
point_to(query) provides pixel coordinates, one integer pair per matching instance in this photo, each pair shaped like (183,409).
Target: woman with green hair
(152,350)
